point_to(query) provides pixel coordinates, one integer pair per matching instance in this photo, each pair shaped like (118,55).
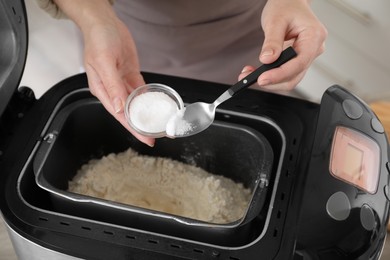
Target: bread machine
(321,171)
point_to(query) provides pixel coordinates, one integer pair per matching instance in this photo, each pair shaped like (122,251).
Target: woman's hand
(288,23)
(110,56)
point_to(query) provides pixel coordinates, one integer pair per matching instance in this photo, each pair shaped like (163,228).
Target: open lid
(13,48)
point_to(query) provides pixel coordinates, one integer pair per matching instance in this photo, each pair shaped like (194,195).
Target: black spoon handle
(285,56)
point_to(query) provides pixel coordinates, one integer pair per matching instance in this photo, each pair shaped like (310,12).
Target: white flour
(164,185)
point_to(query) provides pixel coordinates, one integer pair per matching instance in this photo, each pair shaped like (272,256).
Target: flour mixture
(164,185)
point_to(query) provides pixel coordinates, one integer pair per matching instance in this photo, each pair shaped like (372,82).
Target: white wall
(357,49)
(54,51)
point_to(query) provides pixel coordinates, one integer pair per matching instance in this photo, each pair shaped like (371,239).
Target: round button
(352,109)
(377,125)
(367,217)
(338,206)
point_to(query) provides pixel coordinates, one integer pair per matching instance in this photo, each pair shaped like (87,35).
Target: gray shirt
(204,39)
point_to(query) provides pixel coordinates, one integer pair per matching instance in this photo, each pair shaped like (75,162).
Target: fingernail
(150,144)
(266,53)
(245,69)
(264,82)
(117,105)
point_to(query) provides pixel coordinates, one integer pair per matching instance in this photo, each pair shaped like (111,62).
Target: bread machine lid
(13,48)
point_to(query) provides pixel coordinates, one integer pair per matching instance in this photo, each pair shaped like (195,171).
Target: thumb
(115,87)
(274,35)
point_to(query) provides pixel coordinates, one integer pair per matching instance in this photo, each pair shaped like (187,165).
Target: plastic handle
(285,56)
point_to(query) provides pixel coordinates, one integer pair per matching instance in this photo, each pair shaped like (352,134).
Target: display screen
(355,159)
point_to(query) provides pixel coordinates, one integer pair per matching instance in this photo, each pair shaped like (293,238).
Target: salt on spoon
(177,126)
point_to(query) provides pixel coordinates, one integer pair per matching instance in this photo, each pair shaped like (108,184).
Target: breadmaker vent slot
(176,246)
(152,241)
(108,233)
(200,251)
(131,237)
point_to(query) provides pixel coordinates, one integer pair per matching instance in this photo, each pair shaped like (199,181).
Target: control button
(387,193)
(352,109)
(377,125)
(388,167)
(367,217)
(338,206)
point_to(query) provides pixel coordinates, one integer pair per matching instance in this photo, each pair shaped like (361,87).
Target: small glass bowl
(151,87)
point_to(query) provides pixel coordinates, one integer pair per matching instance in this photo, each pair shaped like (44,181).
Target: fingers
(113,83)
(274,32)
(146,140)
(309,44)
(288,23)
(98,89)
(287,74)
(285,77)
(133,80)
(245,72)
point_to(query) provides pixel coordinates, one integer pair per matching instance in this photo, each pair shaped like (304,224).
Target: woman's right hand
(110,56)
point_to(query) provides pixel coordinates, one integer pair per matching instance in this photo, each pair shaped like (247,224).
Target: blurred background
(357,57)
(357,50)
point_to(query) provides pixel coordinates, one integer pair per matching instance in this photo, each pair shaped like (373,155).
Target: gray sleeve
(52,8)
